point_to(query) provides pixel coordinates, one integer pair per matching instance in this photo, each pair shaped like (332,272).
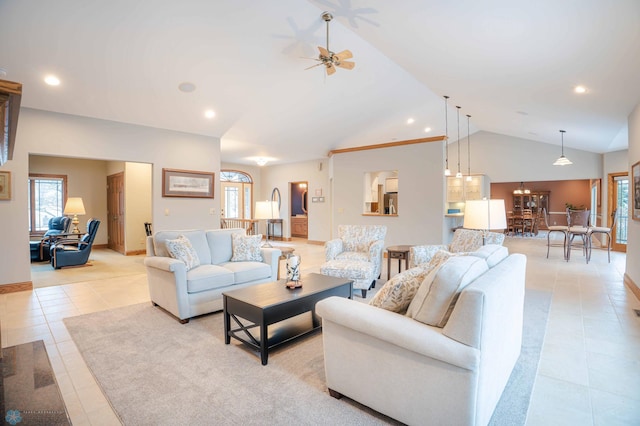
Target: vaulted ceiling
(511,65)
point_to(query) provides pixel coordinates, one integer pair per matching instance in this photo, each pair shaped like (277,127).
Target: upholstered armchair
(56,226)
(358,242)
(73,252)
(464,241)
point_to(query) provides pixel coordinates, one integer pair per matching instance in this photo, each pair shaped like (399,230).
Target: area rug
(154,370)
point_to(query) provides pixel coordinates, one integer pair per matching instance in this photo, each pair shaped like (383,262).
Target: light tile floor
(589,371)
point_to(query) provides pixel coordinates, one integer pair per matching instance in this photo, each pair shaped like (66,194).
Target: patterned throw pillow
(397,293)
(246,249)
(181,249)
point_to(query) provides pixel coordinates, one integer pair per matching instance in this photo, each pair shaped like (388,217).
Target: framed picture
(5,185)
(187,183)
(635,178)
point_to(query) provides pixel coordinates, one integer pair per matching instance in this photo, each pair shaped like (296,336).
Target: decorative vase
(293,271)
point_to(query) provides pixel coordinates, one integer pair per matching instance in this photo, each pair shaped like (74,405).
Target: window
(47,195)
(237,190)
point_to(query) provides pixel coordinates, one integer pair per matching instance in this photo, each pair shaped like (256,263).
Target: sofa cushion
(246,248)
(220,244)
(439,292)
(397,293)
(244,272)
(466,240)
(491,253)
(208,277)
(181,249)
(196,237)
(354,255)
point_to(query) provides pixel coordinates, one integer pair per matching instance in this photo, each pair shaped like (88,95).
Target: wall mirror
(381,193)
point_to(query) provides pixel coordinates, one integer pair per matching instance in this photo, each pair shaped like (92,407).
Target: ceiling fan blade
(330,68)
(346,65)
(313,66)
(345,54)
(324,52)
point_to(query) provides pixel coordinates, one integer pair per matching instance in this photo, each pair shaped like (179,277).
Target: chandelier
(521,190)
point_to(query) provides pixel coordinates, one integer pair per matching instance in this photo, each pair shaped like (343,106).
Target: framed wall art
(5,185)
(635,179)
(187,183)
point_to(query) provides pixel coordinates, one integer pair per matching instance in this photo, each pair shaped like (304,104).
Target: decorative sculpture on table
(293,271)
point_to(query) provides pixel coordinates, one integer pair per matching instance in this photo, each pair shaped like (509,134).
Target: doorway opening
(298,207)
(619,200)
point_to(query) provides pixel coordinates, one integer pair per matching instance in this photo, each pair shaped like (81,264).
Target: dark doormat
(29,394)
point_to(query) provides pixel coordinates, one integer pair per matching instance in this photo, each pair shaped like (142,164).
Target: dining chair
(578,223)
(606,231)
(527,222)
(563,229)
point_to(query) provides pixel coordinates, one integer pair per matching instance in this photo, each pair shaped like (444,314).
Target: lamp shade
(267,210)
(74,206)
(485,214)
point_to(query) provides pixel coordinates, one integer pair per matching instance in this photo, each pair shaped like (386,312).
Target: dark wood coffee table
(263,305)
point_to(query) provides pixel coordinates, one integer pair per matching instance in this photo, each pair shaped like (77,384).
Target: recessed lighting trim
(52,80)
(186,87)
(410,121)
(427,129)
(580,89)
(209,113)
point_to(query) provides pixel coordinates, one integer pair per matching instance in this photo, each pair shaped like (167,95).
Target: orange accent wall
(576,192)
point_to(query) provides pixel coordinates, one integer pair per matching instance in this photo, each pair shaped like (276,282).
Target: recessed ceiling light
(580,89)
(209,113)
(410,121)
(186,87)
(52,80)
(427,129)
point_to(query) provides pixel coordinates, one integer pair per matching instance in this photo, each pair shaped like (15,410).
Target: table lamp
(485,215)
(267,210)
(74,207)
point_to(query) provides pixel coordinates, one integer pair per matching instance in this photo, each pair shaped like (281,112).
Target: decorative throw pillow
(181,249)
(246,249)
(465,240)
(438,294)
(396,294)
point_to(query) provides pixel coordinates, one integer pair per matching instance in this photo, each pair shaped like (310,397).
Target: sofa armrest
(168,264)
(398,330)
(423,254)
(332,248)
(271,256)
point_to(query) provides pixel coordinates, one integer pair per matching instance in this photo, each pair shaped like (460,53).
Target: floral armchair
(358,242)
(464,240)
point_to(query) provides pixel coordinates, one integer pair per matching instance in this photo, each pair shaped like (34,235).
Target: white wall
(633,244)
(138,204)
(316,173)
(46,133)
(420,169)
(508,159)
(612,162)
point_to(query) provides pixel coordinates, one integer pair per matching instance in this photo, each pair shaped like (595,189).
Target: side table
(286,252)
(400,253)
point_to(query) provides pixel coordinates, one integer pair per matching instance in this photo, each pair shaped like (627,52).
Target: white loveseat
(188,293)
(422,374)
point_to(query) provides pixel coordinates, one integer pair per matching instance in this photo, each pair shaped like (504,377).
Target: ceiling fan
(329,59)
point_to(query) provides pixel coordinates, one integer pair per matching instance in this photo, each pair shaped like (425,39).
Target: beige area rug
(155,371)
(103,263)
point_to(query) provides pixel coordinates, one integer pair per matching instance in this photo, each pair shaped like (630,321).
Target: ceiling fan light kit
(332,60)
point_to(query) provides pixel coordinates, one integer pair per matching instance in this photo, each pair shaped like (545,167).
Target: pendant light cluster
(447,170)
(562,161)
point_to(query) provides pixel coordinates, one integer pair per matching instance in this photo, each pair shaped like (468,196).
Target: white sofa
(421,374)
(188,293)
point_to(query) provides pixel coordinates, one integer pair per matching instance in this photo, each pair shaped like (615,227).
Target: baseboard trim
(632,286)
(15,287)
(135,252)
(315,243)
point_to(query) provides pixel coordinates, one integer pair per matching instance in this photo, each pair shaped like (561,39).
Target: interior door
(618,199)
(115,212)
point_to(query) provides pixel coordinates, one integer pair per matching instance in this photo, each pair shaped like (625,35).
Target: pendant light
(459,174)
(469,179)
(447,171)
(562,161)
(521,190)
